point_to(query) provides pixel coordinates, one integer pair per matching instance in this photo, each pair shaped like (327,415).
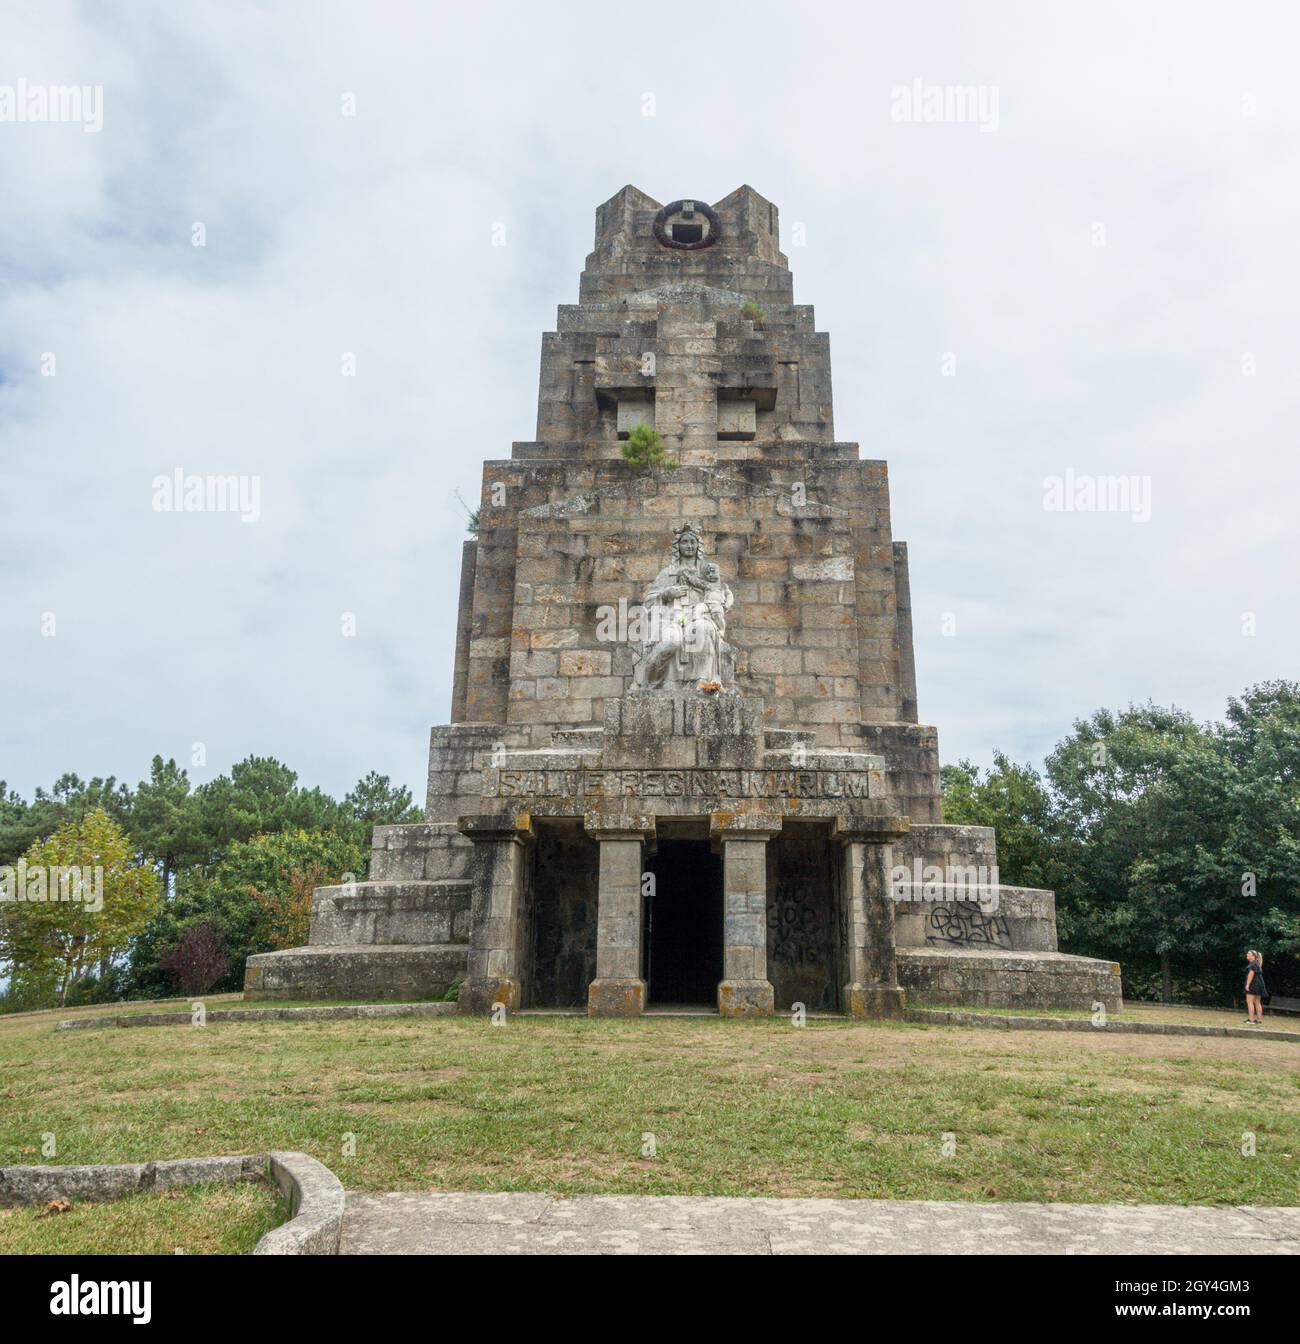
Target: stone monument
(684,763)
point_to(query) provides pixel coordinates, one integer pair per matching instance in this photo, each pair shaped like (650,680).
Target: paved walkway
(536,1224)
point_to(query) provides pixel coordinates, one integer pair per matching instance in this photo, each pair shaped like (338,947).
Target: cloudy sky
(1097,274)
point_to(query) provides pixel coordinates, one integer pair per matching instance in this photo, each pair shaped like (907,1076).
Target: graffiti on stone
(964,924)
(801,927)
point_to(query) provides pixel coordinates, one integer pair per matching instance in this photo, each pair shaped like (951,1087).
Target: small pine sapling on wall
(643,448)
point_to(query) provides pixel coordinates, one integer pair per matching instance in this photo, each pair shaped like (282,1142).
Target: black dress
(1255,985)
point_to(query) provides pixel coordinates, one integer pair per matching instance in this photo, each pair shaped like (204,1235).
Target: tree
(259,797)
(22,824)
(286,908)
(198,959)
(1186,837)
(1013,799)
(375,801)
(280,872)
(1113,787)
(259,892)
(1261,743)
(83,897)
(165,821)
(644,448)
(1171,845)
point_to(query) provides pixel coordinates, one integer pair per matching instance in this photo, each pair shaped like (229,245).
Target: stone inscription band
(675,784)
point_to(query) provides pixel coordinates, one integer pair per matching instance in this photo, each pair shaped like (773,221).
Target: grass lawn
(199,1220)
(736,1108)
(1135,1012)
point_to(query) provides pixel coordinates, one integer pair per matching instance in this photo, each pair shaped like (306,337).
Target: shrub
(286,907)
(198,960)
(753,312)
(644,448)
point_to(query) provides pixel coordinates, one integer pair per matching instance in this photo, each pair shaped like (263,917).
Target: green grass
(211,1002)
(1133,1012)
(198,1220)
(737,1108)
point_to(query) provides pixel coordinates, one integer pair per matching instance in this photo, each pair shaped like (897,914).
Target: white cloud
(372,234)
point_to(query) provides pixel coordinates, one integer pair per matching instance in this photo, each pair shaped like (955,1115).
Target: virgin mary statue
(685,619)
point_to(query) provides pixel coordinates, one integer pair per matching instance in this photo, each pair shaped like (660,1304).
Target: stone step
(421,851)
(958,976)
(391,913)
(417,971)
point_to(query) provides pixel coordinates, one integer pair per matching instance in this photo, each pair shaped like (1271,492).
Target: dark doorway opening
(562,909)
(805,923)
(683,924)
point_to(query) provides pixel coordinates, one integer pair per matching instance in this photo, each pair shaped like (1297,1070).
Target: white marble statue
(685,620)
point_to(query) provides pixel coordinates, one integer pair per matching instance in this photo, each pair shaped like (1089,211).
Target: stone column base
(873,1000)
(480,993)
(745,998)
(616,998)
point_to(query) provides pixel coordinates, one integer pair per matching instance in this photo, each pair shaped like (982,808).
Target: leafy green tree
(376,801)
(1261,744)
(1170,844)
(1014,799)
(71,798)
(1186,836)
(165,821)
(1112,781)
(84,896)
(259,797)
(248,897)
(13,823)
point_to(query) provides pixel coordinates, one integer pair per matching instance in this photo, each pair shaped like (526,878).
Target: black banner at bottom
(231,1294)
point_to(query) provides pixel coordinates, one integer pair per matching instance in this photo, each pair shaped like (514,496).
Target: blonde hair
(1250,952)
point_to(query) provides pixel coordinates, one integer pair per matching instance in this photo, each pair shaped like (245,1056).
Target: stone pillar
(497,925)
(872,989)
(618,989)
(745,990)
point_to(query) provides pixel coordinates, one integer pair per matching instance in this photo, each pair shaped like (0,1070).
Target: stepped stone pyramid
(684,764)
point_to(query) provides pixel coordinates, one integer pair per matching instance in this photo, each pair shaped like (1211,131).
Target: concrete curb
(315,1198)
(336,1013)
(1006,1022)
(96,1185)
(313,1192)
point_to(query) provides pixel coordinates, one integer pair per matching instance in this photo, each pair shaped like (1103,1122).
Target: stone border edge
(332,1013)
(315,1198)
(942,1017)
(313,1192)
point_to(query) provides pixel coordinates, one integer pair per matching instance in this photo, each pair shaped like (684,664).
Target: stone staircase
(403,934)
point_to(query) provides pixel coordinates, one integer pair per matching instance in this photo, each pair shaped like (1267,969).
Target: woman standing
(1255,989)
